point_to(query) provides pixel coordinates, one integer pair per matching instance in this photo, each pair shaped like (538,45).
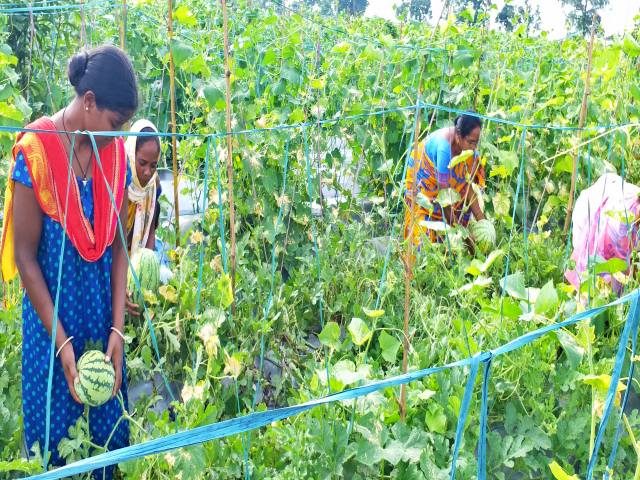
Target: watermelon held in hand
(147,268)
(96,379)
(483,234)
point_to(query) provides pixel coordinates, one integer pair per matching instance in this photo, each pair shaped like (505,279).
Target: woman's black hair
(465,124)
(144,139)
(108,73)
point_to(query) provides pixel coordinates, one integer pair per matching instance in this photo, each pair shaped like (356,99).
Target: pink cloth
(599,228)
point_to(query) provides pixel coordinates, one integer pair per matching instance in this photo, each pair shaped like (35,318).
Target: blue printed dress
(85,311)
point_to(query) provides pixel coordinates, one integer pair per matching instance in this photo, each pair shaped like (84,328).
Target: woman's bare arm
(119,271)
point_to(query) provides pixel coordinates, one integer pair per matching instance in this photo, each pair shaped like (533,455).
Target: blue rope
(462,416)
(123,238)
(331,121)
(632,321)
(205,196)
(316,252)
(54,8)
(482,441)
(632,363)
(513,222)
(54,319)
(223,243)
(259,419)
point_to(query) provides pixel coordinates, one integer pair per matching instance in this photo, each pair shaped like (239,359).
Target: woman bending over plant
(45,215)
(447,167)
(143,153)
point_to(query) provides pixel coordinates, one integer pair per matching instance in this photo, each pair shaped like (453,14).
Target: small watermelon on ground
(147,268)
(96,378)
(483,233)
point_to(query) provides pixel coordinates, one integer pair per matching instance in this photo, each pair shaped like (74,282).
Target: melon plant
(483,233)
(96,378)
(147,268)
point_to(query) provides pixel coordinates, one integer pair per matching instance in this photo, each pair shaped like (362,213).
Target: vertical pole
(232,212)
(83,27)
(174,147)
(409,256)
(583,117)
(123,24)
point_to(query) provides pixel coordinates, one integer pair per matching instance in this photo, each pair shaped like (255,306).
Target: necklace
(75,155)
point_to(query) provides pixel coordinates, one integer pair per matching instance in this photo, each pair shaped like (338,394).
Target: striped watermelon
(97,379)
(147,268)
(483,233)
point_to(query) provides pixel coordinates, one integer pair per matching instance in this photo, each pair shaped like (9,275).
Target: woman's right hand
(68,361)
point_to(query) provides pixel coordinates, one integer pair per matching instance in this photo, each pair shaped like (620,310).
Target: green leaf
(513,285)
(225,291)
(372,313)
(547,300)
(317,83)
(389,346)
(346,372)
(184,16)
(601,383)
(297,116)
(424,201)
(181,52)
(478,283)
(447,197)
(509,160)
(559,473)
(570,345)
(463,157)
(613,265)
(342,47)
(359,331)
(213,93)
(435,419)
(330,335)
(635,91)
(476,268)
(630,46)
(20,465)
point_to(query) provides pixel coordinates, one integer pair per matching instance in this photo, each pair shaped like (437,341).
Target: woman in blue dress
(44,215)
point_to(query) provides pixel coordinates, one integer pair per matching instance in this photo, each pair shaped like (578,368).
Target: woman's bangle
(114,329)
(63,345)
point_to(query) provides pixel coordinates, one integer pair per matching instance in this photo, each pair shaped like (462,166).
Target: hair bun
(77,67)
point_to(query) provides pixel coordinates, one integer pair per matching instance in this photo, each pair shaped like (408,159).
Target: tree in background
(323,7)
(352,7)
(511,16)
(417,10)
(477,8)
(580,17)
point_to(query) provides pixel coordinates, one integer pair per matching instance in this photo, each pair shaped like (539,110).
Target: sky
(617,17)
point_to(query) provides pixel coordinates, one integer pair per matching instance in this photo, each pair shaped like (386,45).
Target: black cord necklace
(75,155)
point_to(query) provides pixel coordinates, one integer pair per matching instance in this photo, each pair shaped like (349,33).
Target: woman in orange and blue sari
(53,215)
(434,173)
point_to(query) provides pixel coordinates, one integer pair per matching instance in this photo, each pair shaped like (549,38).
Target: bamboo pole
(232,212)
(581,122)
(83,27)
(123,24)
(174,147)
(409,256)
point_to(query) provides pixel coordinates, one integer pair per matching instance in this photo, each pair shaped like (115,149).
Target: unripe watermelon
(483,233)
(97,379)
(147,268)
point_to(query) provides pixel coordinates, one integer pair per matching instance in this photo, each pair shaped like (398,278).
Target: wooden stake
(123,23)
(83,27)
(232,211)
(583,117)
(174,146)
(409,256)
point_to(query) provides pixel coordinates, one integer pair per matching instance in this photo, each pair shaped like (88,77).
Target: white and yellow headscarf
(142,200)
